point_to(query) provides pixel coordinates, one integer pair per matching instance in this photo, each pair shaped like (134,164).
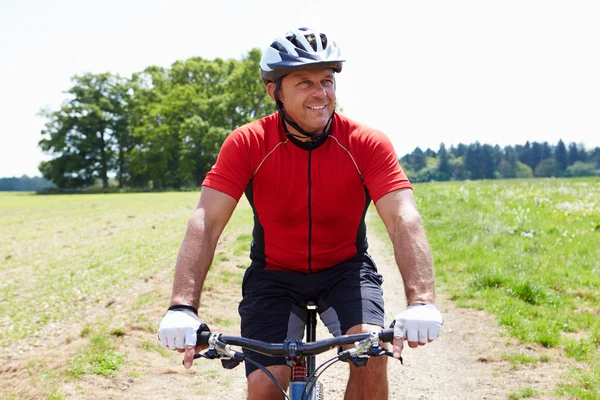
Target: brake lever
(375,352)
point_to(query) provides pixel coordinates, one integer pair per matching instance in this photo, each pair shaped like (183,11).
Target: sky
(423,72)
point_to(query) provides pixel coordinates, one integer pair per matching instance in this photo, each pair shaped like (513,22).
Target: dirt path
(465,363)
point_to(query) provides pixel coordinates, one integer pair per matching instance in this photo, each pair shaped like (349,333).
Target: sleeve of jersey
(231,173)
(383,173)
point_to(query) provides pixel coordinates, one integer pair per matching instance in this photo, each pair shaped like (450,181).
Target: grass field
(527,251)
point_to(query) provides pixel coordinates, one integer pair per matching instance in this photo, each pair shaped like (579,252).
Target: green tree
(185,113)
(535,155)
(573,155)
(505,170)
(474,161)
(523,171)
(459,172)
(24,183)
(595,157)
(524,153)
(83,133)
(562,160)
(459,151)
(444,169)
(488,169)
(511,157)
(580,168)
(418,159)
(546,168)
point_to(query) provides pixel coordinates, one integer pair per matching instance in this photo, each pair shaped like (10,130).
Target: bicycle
(304,384)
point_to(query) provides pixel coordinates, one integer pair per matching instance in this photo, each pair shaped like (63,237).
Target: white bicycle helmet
(299,49)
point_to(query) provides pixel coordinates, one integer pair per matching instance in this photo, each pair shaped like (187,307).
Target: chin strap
(315,137)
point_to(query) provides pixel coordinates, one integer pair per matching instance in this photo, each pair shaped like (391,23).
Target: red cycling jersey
(309,199)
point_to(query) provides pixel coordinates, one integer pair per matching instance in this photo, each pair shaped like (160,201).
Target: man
(310,175)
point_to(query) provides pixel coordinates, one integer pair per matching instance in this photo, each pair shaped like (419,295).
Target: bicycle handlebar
(293,347)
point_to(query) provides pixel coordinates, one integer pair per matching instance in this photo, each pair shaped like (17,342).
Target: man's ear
(271,90)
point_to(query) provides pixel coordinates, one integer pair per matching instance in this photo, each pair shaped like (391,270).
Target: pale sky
(424,72)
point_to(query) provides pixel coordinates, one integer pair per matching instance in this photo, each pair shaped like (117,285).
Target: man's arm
(421,321)
(178,327)
(413,254)
(198,248)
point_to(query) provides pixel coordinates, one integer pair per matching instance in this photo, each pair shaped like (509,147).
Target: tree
(523,171)
(444,169)
(525,153)
(535,155)
(430,153)
(595,157)
(487,162)
(461,150)
(459,172)
(580,168)
(497,155)
(418,159)
(473,161)
(511,158)
(547,151)
(505,170)
(546,168)
(562,160)
(84,133)
(573,155)
(24,183)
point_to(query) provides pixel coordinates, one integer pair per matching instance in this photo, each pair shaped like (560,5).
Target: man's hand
(178,330)
(419,324)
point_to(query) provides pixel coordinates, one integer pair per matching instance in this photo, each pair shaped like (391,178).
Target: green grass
(522,359)
(584,385)
(155,347)
(63,252)
(242,245)
(98,358)
(525,250)
(524,393)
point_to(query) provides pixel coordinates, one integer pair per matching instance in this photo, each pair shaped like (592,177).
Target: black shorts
(272,308)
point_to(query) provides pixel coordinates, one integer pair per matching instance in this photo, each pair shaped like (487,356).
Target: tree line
(24,184)
(484,161)
(161,128)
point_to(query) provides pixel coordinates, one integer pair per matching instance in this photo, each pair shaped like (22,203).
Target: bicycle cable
(314,377)
(269,374)
(257,365)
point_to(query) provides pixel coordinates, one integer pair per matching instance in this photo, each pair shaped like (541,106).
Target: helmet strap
(315,137)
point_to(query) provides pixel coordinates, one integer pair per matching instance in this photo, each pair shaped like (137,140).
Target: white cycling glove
(178,328)
(418,323)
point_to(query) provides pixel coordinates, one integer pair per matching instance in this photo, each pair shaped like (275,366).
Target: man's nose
(319,91)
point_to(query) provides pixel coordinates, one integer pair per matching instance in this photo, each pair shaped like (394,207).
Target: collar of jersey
(311,145)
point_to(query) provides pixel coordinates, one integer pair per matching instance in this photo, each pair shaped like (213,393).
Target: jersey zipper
(309,216)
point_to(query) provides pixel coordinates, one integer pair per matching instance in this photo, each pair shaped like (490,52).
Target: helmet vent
(311,40)
(279,47)
(295,42)
(324,40)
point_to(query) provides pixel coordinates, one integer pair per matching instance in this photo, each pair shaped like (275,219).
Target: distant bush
(24,184)
(581,169)
(523,171)
(546,168)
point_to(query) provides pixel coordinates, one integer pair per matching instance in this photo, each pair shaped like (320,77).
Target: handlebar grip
(203,337)
(387,335)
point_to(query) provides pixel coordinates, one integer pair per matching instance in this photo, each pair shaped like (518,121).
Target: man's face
(308,97)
